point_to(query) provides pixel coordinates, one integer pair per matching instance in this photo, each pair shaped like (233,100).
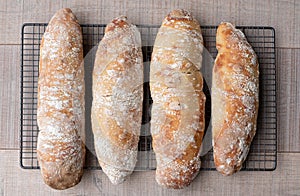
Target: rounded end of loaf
(228,162)
(115,175)
(227,35)
(225,168)
(179,14)
(227,171)
(64,14)
(119,22)
(63,179)
(181,19)
(226,25)
(177,174)
(60,172)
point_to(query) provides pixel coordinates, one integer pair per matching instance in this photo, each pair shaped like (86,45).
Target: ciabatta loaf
(60,112)
(234,99)
(117,99)
(177,124)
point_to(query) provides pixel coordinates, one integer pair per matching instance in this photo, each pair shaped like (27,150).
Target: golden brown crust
(119,22)
(117,99)
(60,113)
(181,19)
(234,99)
(177,124)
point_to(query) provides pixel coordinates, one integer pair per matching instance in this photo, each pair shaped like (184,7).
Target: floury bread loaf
(60,112)
(177,124)
(117,99)
(234,99)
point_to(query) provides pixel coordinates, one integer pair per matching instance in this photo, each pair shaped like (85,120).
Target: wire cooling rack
(263,152)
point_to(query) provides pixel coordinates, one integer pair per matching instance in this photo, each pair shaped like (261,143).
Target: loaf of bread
(177,124)
(60,111)
(117,99)
(234,99)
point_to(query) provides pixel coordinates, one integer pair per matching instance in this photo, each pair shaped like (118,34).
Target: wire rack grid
(263,152)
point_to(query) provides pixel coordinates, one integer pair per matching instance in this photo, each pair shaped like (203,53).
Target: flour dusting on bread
(60,112)
(117,99)
(234,99)
(177,124)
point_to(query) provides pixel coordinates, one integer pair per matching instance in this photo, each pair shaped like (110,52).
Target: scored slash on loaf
(60,111)
(117,99)
(177,124)
(234,99)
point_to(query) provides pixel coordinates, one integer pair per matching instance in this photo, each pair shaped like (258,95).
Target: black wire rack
(263,152)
